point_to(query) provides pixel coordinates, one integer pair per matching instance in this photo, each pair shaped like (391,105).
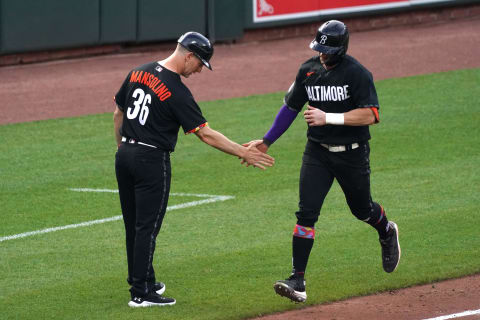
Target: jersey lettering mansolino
(151,81)
(347,86)
(156,103)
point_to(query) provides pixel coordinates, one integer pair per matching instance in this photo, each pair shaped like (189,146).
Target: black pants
(319,168)
(143,176)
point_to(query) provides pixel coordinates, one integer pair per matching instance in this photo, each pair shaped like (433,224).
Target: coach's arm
(250,154)
(117,124)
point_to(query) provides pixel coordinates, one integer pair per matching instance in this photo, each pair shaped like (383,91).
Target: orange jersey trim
(375,112)
(203,125)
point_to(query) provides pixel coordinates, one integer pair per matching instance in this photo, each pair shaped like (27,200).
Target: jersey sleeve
(189,115)
(364,94)
(121,96)
(296,96)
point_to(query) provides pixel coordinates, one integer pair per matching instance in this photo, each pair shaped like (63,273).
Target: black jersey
(156,103)
(347,86)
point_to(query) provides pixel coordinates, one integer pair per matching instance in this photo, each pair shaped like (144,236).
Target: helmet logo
(323,39)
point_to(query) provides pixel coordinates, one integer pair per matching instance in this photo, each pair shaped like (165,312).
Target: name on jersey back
(151,81)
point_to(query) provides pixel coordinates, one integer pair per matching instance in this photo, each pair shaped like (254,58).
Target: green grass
(220,260)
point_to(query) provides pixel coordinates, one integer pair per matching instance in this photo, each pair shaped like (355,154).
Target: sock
(302,243)
(379,220)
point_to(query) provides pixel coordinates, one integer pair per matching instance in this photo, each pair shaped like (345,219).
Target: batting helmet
(199,45)
(332,39)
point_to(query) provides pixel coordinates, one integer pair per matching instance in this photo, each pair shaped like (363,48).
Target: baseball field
(220,258)
(227,234)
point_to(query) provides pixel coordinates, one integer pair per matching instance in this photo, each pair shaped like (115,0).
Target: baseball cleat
(159,287)
(152,299)
(391,249)
(292,288)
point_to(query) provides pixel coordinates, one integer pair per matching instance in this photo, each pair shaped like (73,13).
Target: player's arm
(250,154)
(282,122)
(294,101)
(117,124)
(285,116)
(355,117)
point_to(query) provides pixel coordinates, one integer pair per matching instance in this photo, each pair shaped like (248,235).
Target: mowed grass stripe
(220,261)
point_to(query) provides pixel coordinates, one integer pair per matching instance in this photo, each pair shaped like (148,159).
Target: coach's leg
(126,190)
(152,191)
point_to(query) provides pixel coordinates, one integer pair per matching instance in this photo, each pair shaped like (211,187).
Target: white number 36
(141,104)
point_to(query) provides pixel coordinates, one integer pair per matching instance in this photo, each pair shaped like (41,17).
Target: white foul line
(456,315)
(210,199)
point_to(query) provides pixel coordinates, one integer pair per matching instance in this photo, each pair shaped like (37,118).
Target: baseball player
(151,106)
(342,103)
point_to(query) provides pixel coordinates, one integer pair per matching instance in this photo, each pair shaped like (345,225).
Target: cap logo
(323,39)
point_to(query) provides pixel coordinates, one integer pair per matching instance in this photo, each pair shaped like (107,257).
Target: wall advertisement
(277,10)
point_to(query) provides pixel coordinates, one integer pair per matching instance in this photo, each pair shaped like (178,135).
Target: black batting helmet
(199,45)
(332,38)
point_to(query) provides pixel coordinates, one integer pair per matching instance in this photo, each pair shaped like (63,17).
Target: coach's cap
(199,45)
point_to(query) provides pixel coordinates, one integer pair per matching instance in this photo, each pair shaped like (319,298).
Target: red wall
(274,10)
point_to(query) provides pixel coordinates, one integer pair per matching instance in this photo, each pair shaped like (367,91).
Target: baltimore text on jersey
(327,93)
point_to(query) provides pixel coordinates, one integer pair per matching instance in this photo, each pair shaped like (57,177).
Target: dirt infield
(86,86)
(422,302)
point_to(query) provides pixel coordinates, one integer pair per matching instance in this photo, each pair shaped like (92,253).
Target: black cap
(199,45)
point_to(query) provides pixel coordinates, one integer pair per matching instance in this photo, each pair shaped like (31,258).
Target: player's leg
(352,170)
(315,182)
(152,190)
(126,190)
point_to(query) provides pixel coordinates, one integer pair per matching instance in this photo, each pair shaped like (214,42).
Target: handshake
(256,155)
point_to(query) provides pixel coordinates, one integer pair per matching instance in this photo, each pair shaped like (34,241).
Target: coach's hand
(314,116)
(255,156)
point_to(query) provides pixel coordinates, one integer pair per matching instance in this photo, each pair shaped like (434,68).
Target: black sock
(301,248)
(379,220)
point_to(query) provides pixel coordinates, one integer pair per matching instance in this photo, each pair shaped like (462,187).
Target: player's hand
(255,157)
(261,146)
(314,116)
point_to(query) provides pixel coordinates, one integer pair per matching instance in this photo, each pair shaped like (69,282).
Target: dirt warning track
(86,86)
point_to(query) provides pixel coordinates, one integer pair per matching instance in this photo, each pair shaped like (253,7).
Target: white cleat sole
(398,242)
(145,304)
(287,292)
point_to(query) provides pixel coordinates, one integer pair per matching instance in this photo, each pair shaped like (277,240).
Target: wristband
(335,118)
(267,142)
